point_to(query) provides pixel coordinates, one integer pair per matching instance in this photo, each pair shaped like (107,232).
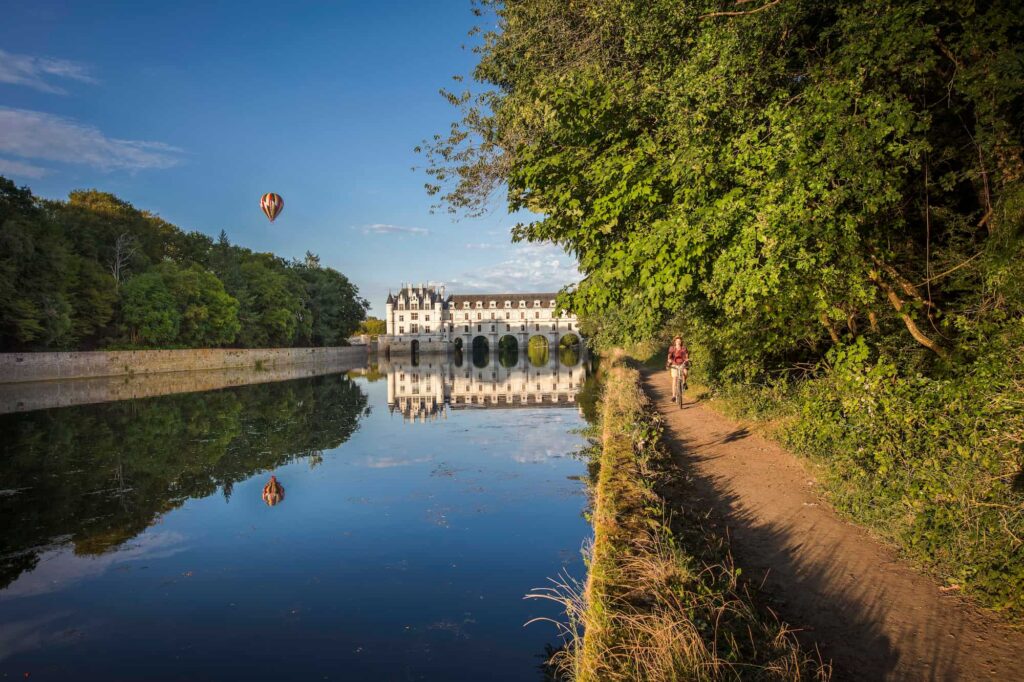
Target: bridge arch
(508,343)
(538,349)
(570,339)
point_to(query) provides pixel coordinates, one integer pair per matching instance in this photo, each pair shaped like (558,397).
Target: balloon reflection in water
(273,492)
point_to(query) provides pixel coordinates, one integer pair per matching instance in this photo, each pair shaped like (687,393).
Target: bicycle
(679,385)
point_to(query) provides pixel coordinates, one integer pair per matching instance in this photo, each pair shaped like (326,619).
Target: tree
(271,309)
(209,315)
(150,311)
(335,308)
(788,175)
(373,326)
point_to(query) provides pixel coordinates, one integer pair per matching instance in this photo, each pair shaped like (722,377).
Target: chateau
(426,319)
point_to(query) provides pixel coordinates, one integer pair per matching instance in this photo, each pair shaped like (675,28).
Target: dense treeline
(95,272)
(826,198)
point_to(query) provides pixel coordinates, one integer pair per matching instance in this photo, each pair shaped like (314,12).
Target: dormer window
(465,305)
(552,304)
(536,304)
(508,304)
(493,304)
(522,304)
(479,304)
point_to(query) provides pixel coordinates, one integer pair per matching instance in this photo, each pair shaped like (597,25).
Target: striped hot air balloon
(272,205)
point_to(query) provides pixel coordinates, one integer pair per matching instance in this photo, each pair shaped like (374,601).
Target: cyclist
(678,361)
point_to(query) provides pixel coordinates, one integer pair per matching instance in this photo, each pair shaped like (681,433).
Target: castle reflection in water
(425,387)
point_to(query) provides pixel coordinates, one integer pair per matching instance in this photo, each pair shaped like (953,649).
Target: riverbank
(41,395)
(32,367)
(663,599)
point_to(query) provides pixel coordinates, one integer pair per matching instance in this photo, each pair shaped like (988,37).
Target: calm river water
(418,505)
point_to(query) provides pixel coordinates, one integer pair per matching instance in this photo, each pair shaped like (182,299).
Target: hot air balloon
(273,492)
(272,205)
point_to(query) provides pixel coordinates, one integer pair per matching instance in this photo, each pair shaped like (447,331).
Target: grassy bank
(662,599)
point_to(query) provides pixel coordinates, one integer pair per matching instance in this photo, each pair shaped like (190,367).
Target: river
(415,504)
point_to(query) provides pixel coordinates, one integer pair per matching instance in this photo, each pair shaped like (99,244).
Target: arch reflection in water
(440,383)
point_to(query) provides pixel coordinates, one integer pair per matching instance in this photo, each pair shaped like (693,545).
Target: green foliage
(825,199)
(94,271)
(373,326)
(929,462)
(150,310)
(335,308)
(209,315)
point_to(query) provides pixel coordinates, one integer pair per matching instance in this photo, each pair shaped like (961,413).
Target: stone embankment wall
(19,367)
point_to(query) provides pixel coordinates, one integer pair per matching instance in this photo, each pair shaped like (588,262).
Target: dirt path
(874,616)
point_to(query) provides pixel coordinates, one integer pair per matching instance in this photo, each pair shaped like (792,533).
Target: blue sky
(192,110)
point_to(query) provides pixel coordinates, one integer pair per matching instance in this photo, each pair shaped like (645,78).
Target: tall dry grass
(659,604)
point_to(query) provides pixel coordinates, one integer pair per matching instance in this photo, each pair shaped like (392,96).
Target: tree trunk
(899,305)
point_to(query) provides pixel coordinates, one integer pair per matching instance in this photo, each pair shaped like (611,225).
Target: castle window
(536,304)
(536,315)
(401,306)
(426,318)
(508,304)
(414,316)
(465,304)
(401,318)
(493,304)
(479,316)
(401,330)
(522,316)
(479,304)
(492,316)
(522,304)
(508,315)
(467,328)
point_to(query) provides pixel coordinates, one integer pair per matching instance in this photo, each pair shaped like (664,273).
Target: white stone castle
(426,319)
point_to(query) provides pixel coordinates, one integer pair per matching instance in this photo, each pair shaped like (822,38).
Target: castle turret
(389,316)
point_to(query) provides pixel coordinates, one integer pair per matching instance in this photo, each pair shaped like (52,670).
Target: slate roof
(499,299)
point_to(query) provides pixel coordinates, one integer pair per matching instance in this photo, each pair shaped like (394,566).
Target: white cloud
(485,246)
(11,168)
(530,267)
(34,72)
(38,135)
(383,228)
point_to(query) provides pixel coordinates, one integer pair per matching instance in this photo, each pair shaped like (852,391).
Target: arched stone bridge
(426,319)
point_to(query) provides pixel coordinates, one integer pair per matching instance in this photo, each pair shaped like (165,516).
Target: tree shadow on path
(875,617)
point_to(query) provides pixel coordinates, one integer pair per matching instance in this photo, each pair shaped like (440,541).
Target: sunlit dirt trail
(873,615)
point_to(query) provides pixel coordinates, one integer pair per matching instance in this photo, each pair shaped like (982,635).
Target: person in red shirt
(678,361)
